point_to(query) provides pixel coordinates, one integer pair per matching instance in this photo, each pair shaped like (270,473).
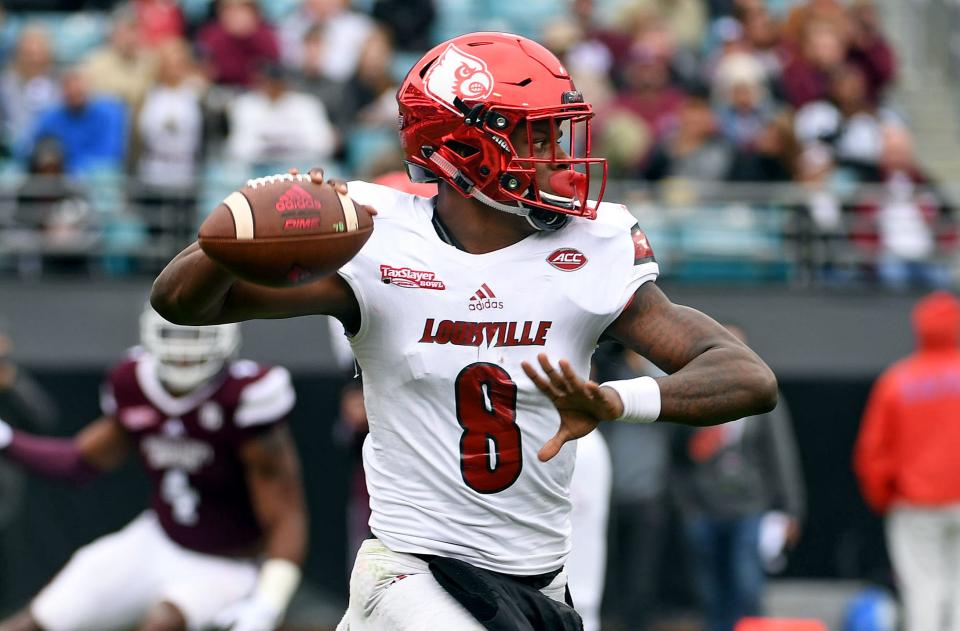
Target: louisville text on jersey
(406,277)
(461,333)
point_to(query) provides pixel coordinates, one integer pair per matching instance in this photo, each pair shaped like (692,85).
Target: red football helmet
(462,101)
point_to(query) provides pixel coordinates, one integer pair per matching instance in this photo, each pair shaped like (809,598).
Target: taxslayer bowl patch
(411,278)
(567,259)
(457,74)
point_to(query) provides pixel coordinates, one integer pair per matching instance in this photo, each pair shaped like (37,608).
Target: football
(284,230)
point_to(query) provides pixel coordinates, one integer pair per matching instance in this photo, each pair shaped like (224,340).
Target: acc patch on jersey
(567,259)
(642,250)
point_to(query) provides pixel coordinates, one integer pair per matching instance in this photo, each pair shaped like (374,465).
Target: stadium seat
(734,243)
(122,234)
(12,173)
(276,10)
(106,187)
(195,11)
(727,231)
(455,17)
(401,64)
(77,34)
(524,18)
(365,144)
(72,35)
(220,178)
(779,624)
(9,31)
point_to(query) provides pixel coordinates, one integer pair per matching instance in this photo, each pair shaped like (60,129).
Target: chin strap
(538,218)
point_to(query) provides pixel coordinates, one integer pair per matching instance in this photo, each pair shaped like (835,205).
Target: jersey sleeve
(630,259)
(645,267)
(393,207)
(359,267)
(265,401)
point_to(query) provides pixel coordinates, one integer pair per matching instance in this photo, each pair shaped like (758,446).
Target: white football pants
(110,584)
(393,591)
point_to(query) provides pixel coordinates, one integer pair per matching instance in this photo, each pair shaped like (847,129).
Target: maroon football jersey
(190,445)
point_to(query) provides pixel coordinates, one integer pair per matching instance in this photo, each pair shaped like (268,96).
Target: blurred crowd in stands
(183,100)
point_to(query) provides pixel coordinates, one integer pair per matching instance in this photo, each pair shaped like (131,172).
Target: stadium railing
(107,224)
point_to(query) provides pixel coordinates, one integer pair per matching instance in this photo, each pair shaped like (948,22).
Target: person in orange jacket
(907,464)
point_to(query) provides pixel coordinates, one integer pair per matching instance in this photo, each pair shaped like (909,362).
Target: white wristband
(278,580)
(6,435)
(641,399)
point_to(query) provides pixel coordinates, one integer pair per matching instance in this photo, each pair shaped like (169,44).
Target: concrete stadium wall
(66,324)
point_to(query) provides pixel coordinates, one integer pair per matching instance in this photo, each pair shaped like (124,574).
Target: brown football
(284,230)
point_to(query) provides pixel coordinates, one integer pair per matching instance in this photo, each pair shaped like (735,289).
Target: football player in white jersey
(458,309)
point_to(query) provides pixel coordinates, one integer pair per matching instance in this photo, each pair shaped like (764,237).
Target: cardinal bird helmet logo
(457,74)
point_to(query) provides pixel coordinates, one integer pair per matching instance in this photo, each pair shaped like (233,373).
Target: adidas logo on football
(295,198)
(483,298)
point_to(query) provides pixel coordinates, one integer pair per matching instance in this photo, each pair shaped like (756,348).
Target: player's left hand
(582,404)
(249,615)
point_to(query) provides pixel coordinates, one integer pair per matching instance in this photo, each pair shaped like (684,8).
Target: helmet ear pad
(419,174)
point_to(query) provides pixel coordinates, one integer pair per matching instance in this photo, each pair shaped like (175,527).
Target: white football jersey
(455,423)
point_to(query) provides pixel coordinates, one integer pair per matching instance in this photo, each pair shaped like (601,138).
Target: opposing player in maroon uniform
(225,483)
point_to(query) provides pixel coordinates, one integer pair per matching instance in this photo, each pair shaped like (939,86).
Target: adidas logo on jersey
(483,298)
(295,198)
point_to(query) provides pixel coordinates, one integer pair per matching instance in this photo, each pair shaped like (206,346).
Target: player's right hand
(316,175)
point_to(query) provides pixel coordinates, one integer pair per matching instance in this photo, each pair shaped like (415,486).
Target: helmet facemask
(566,133)
(187,356)
(511,185)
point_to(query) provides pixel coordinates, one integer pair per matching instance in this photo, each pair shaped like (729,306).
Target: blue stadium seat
(526,17)
(72,35)
(220,178)
(105,186)
(276,10)
(729,231)
(10,31)
(195,11)
(123,233)
(731,243)
(77,34)
(455,17)
(365,144)
(12,173)
(401,64)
